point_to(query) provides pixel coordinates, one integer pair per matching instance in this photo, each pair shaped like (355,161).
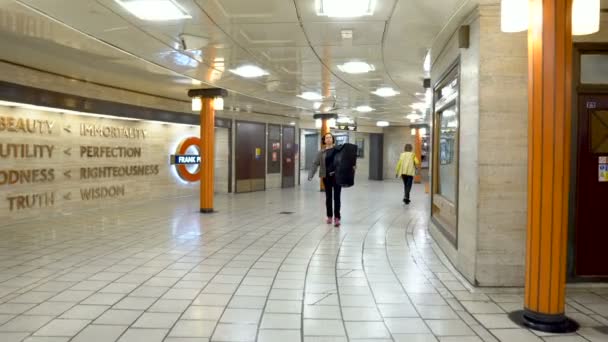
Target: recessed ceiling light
(249,71)
(414,116)
(346,34)
(345,8)
(385,92)
(356,67)
(154,10)
(426,65)
(382,124)
(311,96)
(419,106)
(364,109)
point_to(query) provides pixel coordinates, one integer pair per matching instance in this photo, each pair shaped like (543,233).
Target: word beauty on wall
(184,161)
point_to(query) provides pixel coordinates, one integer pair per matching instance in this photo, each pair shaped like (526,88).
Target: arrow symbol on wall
(68,174)
(67,196)
(68,151)
(68,128)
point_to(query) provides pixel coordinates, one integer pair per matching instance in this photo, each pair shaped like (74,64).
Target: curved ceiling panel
(299,50)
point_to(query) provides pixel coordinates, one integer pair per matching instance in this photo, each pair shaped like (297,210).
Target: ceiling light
(293,123)
(356,67)
(249,71)
(364,109)
(514,15)
(385,92)
(346,34)
(585,17)
(419,105)
(427,62)
(345,8)
(414,116)
(311,96)
(315,105)
(344,119)
(382,124)
(154,10)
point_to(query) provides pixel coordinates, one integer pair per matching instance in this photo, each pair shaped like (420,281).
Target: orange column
(549,107)
(418,152)
(207,155)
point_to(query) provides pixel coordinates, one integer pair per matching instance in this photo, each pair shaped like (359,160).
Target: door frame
(579,90)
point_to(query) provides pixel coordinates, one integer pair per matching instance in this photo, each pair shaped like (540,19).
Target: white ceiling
(98,41)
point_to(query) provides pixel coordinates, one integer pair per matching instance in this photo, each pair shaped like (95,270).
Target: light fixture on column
(585,17)
(318,123)
(514,15)
(218,103)
(413,131)
(422,131)
(197,104)
(331,123)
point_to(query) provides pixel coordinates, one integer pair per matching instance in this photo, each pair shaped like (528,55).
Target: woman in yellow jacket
(406,167)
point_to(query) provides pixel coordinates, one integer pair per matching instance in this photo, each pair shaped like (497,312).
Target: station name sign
(186,159)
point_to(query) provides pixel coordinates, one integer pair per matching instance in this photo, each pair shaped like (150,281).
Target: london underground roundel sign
(187,163)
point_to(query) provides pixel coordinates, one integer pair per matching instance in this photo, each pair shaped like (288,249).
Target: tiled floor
(159,271)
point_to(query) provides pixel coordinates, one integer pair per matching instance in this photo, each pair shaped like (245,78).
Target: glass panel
(448,153)
(599,132)
(594,69)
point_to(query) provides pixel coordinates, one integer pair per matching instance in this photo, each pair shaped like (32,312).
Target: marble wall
(464,257)
(492,207)
(493,151)
(59,163)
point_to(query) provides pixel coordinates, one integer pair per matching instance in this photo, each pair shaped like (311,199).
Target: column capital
(208,93)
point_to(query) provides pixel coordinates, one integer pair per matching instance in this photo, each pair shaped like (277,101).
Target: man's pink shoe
(328,220)
(337,222)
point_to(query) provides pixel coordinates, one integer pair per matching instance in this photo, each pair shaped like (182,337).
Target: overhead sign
(185,161)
